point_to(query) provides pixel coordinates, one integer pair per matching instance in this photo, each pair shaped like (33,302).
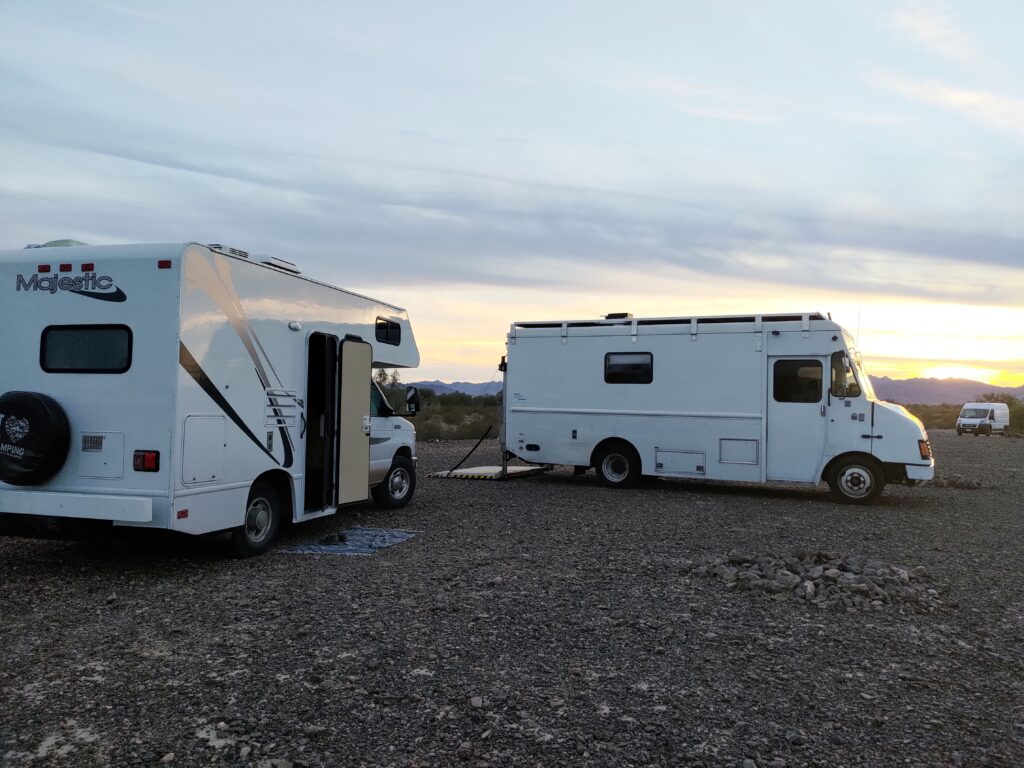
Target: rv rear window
(389,332)
(797,381)
(86,349)
(628,368)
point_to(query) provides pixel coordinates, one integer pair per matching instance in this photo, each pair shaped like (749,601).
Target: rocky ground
(543,621)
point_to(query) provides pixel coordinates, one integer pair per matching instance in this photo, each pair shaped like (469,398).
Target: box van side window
(389,332)
(86,349)
(797,381)
(844,382)
(629,368)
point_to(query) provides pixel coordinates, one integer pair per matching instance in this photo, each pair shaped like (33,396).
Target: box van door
(795,417)
(355,362)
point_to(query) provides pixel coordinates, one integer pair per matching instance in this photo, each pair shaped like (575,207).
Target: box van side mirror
(412,400)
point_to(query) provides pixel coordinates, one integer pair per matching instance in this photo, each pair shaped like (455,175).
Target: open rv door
(354,363)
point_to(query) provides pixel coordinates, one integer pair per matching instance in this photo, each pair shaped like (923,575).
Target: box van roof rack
(618,319)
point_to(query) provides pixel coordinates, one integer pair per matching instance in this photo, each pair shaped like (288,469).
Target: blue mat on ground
(353,541)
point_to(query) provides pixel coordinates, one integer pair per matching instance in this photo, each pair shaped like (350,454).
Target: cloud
(705,101)
(997,111)
(930,24)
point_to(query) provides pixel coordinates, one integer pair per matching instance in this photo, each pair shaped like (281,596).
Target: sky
(483,163)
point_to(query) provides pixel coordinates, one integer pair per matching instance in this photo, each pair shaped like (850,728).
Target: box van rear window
(86,349)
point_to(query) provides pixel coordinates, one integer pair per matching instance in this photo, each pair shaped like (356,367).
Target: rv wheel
(397,488)
(856,480)
(34,438)
(262,519)
(618,465)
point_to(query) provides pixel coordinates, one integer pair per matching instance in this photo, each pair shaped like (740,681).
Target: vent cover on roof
(227,250)
(282,264)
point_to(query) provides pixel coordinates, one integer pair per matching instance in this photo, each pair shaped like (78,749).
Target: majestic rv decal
(92,285)
(192,367)
(215,281)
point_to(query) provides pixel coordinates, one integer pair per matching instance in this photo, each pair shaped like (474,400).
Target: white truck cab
(983,419)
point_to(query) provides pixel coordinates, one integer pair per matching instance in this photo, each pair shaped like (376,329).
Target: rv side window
(628,368)
(86,349)
(389,332)
(797,381)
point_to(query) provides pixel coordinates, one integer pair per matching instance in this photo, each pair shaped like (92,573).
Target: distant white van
(984,419)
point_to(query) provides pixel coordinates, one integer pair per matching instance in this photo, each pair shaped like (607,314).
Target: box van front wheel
(397,488)
(856,480)
(262,519)
(618,465)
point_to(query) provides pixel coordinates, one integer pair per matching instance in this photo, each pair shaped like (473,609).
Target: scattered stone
(826,580)
(476,702)
(168,758)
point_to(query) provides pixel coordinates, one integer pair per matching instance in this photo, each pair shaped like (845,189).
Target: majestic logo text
(90,284)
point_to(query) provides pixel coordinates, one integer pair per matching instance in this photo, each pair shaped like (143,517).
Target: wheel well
(281,481)
(607,443)
(405,451)
(860,455)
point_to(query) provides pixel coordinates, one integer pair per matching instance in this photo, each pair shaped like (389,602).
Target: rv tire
(617,465)
(34,438)
(856,480)
(262,520)
(398,486)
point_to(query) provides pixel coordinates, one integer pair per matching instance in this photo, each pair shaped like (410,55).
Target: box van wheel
(618,465)
(856,480)
(397,488)
(262,519)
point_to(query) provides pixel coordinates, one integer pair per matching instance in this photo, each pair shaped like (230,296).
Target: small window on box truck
(797,381)
(86,349)
(629,368)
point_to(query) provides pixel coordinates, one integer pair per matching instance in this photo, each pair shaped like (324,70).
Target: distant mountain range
(936,391)
(922,391)
(466,387)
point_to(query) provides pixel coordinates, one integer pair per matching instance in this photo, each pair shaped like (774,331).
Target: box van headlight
(926,449)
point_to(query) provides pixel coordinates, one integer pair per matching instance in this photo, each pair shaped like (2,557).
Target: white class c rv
(757,399)
(984,419)
(193,388)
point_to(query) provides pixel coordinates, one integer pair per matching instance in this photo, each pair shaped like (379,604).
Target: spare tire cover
(34,438)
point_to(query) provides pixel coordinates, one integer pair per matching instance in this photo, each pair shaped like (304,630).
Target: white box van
(759,398)
(192,388)
(984,419)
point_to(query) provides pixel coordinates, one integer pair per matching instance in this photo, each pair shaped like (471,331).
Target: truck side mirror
(412,400)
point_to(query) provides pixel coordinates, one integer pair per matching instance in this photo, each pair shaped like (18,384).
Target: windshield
(379,405)
(862,377)
(974,413)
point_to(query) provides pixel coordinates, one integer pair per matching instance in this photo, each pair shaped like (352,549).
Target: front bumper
(121,509)
(920,472)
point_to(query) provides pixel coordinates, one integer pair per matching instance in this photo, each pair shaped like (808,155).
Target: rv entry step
(489,473)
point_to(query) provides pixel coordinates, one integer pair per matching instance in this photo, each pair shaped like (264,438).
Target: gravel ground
(543,621)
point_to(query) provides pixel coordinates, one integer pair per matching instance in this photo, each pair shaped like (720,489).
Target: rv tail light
(89,267)
(146,461)
(44,268)
(925,448)
(163,264)
(182,514)
(65,267)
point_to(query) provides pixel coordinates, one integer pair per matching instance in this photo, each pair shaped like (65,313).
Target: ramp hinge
(565,333)
(693,329)
(805,326)
(632,332)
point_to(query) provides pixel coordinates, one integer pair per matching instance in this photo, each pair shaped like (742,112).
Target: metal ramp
(489,473)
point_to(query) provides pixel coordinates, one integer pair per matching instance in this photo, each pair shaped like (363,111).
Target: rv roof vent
(619,316)
(282,264)
(227,250)
(56,244)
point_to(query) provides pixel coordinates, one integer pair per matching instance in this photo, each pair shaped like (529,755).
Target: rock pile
(825,580)
(954,481)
